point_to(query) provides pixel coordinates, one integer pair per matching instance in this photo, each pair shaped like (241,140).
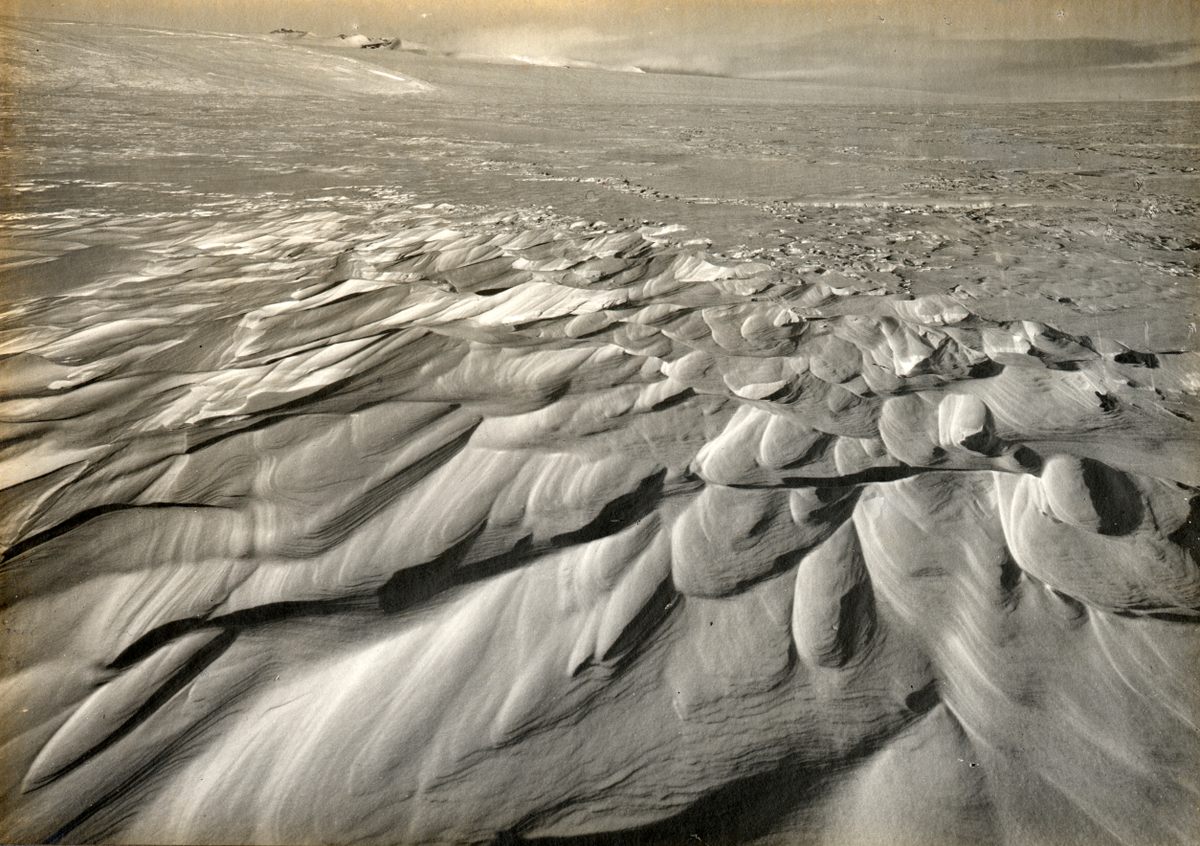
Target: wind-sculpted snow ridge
(464,531)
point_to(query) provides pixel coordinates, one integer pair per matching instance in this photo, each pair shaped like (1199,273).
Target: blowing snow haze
(1071,50)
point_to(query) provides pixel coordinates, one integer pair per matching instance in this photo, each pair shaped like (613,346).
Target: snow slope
(64,56)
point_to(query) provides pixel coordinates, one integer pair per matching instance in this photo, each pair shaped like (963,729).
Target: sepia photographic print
(621,423)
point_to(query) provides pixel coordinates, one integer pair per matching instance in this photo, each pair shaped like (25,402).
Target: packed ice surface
(553,453)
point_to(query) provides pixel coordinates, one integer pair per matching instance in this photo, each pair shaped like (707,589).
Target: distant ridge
(79,58)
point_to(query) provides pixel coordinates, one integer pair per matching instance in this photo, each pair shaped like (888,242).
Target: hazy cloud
(1055,67)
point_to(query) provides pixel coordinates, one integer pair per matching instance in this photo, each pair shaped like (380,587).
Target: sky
(1111,48)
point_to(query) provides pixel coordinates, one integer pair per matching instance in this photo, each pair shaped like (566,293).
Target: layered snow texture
(452,529)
